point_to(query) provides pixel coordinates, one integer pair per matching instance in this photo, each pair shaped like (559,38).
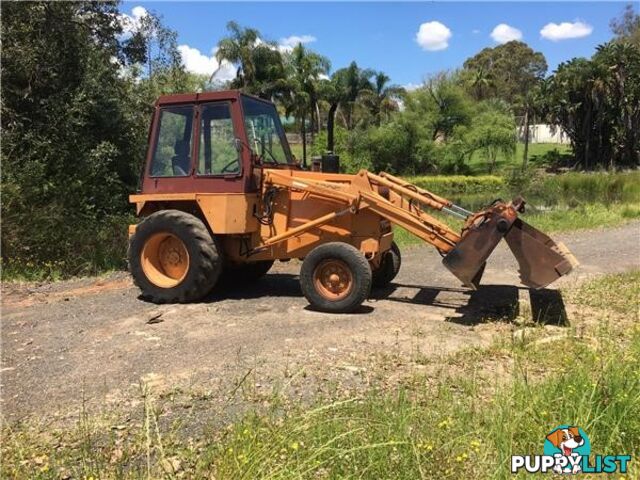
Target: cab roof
(202,97)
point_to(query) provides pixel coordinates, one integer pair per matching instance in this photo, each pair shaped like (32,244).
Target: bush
(391,148)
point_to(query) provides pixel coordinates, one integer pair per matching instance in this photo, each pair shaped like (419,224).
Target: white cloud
(130,23)
(563,31)
(475,31)
(283,48)
(196,62)
(504,33)
(433,36)
(294,40)
(412,86)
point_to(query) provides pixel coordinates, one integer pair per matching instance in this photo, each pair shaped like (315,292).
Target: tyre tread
(206,261)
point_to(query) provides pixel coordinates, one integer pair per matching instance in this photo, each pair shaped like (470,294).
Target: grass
(464,420)
(556,203)
(540,154)
(555,221)
(296,150)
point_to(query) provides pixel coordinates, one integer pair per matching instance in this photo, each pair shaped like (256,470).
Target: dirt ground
(92,343)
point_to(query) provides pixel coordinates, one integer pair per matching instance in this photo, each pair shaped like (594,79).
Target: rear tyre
(248,272)
(389,267)
(173,258)
(335,277)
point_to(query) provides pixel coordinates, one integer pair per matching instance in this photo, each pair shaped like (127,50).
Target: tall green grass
(565,189)
(579,188)
(555,203)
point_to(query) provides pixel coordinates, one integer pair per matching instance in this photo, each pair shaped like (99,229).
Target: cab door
(195,150)
(221,163)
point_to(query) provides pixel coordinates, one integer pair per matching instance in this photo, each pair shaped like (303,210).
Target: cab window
(172,155)
(264,131)
(217,150)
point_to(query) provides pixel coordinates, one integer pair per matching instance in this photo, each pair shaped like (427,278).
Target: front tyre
(335,277)
(389,267)
(173,258)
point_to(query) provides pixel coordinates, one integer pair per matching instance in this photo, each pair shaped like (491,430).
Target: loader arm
(541,260)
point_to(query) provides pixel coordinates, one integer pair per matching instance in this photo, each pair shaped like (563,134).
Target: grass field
(539,154)
(464,419)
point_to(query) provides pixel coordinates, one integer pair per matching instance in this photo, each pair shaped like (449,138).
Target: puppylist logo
(566,450)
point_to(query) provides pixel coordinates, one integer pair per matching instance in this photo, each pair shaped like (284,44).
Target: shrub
(391,148)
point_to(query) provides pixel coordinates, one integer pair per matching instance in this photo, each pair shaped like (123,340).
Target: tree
(237,48)
(305,68)
(492,132)
(382,99)
(74,126)
(627,26)
(343,90)
(439,106)
(260,68)
(514,69)
(597,103)
(480,83)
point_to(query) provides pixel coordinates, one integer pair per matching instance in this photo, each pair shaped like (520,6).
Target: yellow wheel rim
(165,260)
(333,279)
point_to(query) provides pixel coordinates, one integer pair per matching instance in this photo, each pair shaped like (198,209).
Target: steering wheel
(226,168)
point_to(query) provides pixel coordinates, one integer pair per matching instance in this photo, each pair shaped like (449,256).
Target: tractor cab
(212,143)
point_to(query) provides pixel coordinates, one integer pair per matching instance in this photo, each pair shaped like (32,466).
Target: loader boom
(542,262)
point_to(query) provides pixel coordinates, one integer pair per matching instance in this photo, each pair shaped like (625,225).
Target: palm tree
(380,100)
(237,48)
(270,80)
(343,90)
(481,83)
(305,69)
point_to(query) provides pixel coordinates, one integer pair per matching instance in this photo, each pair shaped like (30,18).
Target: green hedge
(459,184)
(569,188)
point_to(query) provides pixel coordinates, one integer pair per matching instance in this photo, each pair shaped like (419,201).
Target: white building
(544,133)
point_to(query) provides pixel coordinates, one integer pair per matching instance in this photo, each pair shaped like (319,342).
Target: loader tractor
(222,198)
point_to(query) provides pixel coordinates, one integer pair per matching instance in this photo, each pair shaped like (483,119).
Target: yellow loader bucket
(541,260)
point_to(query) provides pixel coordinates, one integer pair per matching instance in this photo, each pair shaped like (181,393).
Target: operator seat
(180,161)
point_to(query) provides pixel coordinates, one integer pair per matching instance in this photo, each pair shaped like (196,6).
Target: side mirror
(237,143)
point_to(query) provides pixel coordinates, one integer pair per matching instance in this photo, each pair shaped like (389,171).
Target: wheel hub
(333,279)
(165,260)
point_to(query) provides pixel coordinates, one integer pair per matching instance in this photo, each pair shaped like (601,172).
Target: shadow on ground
(487,303)
(271,285)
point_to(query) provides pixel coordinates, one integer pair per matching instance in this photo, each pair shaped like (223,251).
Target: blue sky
(385,36)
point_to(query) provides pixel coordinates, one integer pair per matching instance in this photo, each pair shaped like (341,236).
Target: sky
(407,41)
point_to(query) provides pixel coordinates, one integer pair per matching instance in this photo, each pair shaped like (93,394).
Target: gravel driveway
(92,341)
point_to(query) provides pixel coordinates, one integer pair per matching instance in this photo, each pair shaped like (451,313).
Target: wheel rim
(333,279)
(164,260)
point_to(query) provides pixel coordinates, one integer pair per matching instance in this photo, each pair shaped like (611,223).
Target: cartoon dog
(566,439)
